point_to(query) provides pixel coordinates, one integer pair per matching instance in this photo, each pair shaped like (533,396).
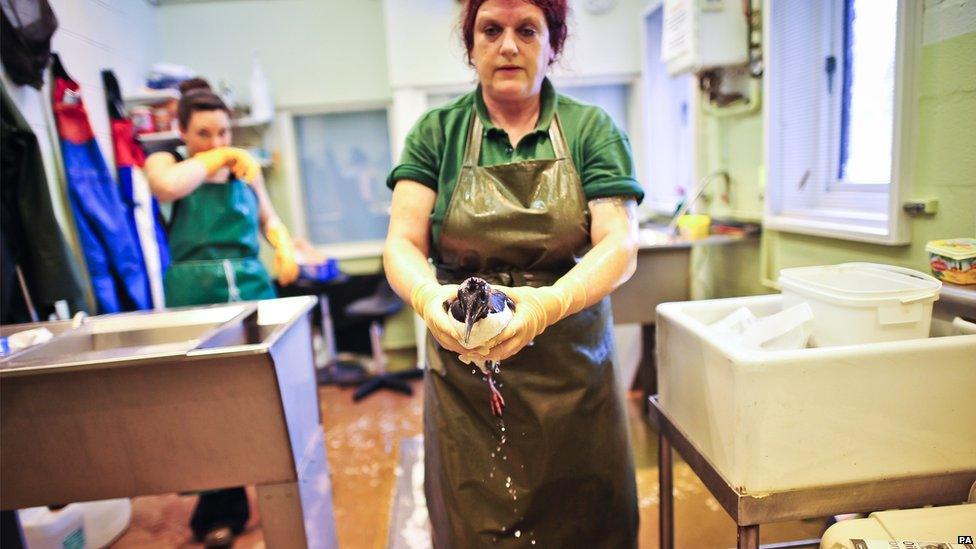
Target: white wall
(313,52)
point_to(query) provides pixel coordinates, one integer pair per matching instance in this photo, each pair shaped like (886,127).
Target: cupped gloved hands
(535,310)
(285,267)
(427,299)
(240,162)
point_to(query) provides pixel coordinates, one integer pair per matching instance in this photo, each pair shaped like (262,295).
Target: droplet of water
(473,371)
(503,428)
(533,542)
(518,533)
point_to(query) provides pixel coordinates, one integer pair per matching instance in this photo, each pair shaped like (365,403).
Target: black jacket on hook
(29,233)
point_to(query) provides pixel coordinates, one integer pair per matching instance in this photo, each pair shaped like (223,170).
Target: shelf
(159,137)
(248,122)
(150,97)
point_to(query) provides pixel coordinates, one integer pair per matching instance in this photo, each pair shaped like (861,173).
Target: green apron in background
(557,470)
(213,242)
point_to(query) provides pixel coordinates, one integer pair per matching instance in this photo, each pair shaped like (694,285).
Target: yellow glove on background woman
(285,267)
(240,162)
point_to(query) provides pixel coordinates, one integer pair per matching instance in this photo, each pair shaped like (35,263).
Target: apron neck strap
(559,140)
(472,151)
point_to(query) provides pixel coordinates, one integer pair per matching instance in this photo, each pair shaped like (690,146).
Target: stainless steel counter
(173,401)
(663,274)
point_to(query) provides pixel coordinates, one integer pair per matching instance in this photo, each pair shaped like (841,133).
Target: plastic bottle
(262,105)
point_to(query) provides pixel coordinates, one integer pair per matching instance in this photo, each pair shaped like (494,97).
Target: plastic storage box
(953,260)
(855,303)
(909,526)
(779,420)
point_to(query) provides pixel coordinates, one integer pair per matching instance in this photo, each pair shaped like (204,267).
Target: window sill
(871,228)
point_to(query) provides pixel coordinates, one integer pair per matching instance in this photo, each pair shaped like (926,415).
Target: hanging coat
(143,210)
(112,254)
(26,27)
(30,236)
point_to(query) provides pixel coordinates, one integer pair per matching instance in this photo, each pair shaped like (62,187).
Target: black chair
(370,374)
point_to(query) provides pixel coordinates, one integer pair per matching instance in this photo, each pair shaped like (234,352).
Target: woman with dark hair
(219,204)
(534,192)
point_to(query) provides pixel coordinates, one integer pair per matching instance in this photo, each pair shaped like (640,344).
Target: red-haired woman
(534,192)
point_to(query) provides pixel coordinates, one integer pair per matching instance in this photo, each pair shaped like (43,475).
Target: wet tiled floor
(362,441)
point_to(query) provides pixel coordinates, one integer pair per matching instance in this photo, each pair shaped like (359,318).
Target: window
(669,147)
(612,98)
(839,83)
(867,93)
(343,159)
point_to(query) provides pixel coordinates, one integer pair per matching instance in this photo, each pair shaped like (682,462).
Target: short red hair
(555,11)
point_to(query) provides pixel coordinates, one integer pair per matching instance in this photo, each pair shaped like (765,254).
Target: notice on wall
(678,32)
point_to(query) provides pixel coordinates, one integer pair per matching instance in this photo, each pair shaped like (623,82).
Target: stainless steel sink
(173,401)
(130,336)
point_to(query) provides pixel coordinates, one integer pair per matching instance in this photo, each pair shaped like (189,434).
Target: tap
(79,320)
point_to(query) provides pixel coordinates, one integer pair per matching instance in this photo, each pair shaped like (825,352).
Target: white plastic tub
(779,420)
(855,303)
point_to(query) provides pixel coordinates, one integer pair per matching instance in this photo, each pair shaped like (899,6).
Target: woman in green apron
(534,192)
(219,202)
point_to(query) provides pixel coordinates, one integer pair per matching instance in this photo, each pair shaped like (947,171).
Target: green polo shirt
(434,149)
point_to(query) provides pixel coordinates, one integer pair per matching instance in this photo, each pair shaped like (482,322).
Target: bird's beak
(470,317)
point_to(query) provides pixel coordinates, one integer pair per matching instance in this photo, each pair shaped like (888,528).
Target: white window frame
(866,213)
(293,174)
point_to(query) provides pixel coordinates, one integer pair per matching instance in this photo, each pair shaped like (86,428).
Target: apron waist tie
(501,278)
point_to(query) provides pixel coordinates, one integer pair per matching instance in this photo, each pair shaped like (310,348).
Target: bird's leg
(497,402)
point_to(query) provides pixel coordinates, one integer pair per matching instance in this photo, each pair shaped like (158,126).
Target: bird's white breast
(484,329)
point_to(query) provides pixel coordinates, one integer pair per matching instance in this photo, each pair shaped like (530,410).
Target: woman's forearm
(610,263)
(605,267)
(176,181)
(406,266)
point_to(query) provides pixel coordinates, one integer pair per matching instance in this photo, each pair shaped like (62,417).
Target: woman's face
(511,50)
(206,130)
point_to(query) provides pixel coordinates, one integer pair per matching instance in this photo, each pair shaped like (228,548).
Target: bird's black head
(474,295)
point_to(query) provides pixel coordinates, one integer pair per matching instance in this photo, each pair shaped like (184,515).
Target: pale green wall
(314,52)
(945,168)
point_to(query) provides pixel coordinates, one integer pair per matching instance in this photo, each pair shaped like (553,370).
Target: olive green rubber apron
(213,242)
(557,469)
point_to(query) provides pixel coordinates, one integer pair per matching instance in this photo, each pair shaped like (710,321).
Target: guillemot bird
(481,313)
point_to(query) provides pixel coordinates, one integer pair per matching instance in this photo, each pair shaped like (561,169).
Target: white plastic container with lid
(856,303)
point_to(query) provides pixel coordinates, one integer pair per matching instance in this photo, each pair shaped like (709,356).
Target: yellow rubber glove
(285,267)
(535,310)
(427,299)
(240,162)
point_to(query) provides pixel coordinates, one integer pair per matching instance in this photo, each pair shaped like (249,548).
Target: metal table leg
(748,537)
(666,481)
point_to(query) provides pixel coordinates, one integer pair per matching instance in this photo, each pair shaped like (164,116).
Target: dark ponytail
(196,95)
